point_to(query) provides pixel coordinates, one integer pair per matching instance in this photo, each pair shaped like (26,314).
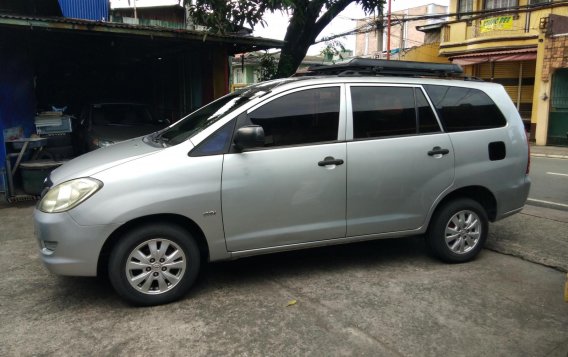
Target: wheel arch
(174,219)
(480,194)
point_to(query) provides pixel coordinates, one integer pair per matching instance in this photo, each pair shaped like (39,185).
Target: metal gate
(558,117)
(518,79)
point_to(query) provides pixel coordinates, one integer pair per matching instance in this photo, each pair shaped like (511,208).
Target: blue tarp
(17,96)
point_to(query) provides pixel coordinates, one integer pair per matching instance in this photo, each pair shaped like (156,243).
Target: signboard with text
(497,23)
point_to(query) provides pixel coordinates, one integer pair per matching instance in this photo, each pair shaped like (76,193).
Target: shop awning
(522,54)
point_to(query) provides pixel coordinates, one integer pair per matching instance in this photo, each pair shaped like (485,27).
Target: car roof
(366,70)
(295,82)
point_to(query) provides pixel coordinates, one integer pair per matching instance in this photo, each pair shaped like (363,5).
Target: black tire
(464,238)
(154,276)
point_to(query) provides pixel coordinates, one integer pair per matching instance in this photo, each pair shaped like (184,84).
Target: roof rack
(373,67)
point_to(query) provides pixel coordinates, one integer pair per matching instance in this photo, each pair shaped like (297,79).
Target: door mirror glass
(250,136)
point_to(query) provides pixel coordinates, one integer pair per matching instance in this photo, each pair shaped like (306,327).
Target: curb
(551,156)
(545,204)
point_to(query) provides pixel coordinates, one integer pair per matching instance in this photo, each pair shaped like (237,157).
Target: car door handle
(330,160)
(438,151)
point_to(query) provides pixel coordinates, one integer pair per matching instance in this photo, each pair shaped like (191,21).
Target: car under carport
(56,62)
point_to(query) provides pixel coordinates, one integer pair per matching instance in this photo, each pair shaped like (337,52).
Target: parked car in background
(104,124)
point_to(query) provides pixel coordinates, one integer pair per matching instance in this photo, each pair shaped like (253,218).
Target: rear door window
(426,119)
(383,111)
(464,109)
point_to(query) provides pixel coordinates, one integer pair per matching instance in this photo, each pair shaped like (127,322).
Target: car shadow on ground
(98,291)
(331,259)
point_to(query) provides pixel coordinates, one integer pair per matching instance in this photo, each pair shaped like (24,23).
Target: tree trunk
(299,37)
(302,32)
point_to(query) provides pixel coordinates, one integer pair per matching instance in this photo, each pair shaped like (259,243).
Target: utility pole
(401,44)
(389,32)
(379,32)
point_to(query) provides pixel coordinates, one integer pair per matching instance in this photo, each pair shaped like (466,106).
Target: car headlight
(101,143)
(67,195)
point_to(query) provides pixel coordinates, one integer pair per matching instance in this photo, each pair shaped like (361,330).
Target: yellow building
(522,45)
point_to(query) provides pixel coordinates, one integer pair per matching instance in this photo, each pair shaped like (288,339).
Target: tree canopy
(308,18)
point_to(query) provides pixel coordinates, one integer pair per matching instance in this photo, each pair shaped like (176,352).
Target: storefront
(514,69)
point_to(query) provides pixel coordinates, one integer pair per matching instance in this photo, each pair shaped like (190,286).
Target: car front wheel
(458,231)
(154,264)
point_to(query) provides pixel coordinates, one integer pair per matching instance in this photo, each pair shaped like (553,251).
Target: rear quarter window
(465,109)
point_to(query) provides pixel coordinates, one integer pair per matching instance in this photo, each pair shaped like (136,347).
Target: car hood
(119,133)
(102,159)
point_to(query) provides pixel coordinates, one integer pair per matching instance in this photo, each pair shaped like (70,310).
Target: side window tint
(463,109)
(427,122)
(216,143)
(304,117)
(382,111)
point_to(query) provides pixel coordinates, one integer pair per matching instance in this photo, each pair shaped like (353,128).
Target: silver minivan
(343,156)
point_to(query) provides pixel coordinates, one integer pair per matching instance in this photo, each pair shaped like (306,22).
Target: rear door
(293,189)
(399,160)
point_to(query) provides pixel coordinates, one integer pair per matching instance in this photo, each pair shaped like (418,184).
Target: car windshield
(121,114)
(206,116)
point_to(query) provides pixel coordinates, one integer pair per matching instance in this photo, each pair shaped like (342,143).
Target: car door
(400,161)
(292,189)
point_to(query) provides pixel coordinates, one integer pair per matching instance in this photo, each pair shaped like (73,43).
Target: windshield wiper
(157,138)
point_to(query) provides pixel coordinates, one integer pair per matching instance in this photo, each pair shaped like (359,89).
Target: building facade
(404,35)
(246,67)
(522,45)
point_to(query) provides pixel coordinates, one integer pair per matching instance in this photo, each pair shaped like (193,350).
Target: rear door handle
(438,151)
(330,160)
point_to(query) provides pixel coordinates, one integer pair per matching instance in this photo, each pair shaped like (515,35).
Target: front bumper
(68,248)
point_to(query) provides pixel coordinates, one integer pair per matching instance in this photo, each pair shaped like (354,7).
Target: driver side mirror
(250,136)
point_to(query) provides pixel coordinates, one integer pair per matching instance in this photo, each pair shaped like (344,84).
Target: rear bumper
(515,199)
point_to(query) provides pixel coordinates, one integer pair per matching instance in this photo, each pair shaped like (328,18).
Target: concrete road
(382,298)
(549,182)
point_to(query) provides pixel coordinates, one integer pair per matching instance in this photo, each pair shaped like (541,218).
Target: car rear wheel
(154,264)
(458,231)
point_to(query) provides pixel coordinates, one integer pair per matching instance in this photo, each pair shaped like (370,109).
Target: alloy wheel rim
(463,231)
(155,266)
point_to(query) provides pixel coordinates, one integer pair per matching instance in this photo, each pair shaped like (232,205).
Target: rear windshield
(464,109)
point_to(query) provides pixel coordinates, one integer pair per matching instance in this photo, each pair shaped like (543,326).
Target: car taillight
(529,157)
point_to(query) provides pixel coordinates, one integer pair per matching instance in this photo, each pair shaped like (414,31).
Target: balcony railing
(499,26)
(517,23)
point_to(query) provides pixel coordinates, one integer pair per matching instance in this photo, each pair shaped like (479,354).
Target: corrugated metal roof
(85,9)
(70,24)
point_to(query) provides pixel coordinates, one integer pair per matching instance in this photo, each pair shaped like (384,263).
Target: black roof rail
(373,67)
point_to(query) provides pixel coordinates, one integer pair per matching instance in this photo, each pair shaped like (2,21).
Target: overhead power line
(471,15)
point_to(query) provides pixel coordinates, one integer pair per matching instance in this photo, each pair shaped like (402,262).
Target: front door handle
(438,151)
(330,160)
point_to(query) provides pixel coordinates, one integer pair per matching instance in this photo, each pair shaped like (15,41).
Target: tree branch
(330,14)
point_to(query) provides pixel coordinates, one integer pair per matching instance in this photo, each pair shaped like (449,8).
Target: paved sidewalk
(535,235)
(557,152)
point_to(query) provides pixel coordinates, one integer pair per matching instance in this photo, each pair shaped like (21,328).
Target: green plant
(268,67)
